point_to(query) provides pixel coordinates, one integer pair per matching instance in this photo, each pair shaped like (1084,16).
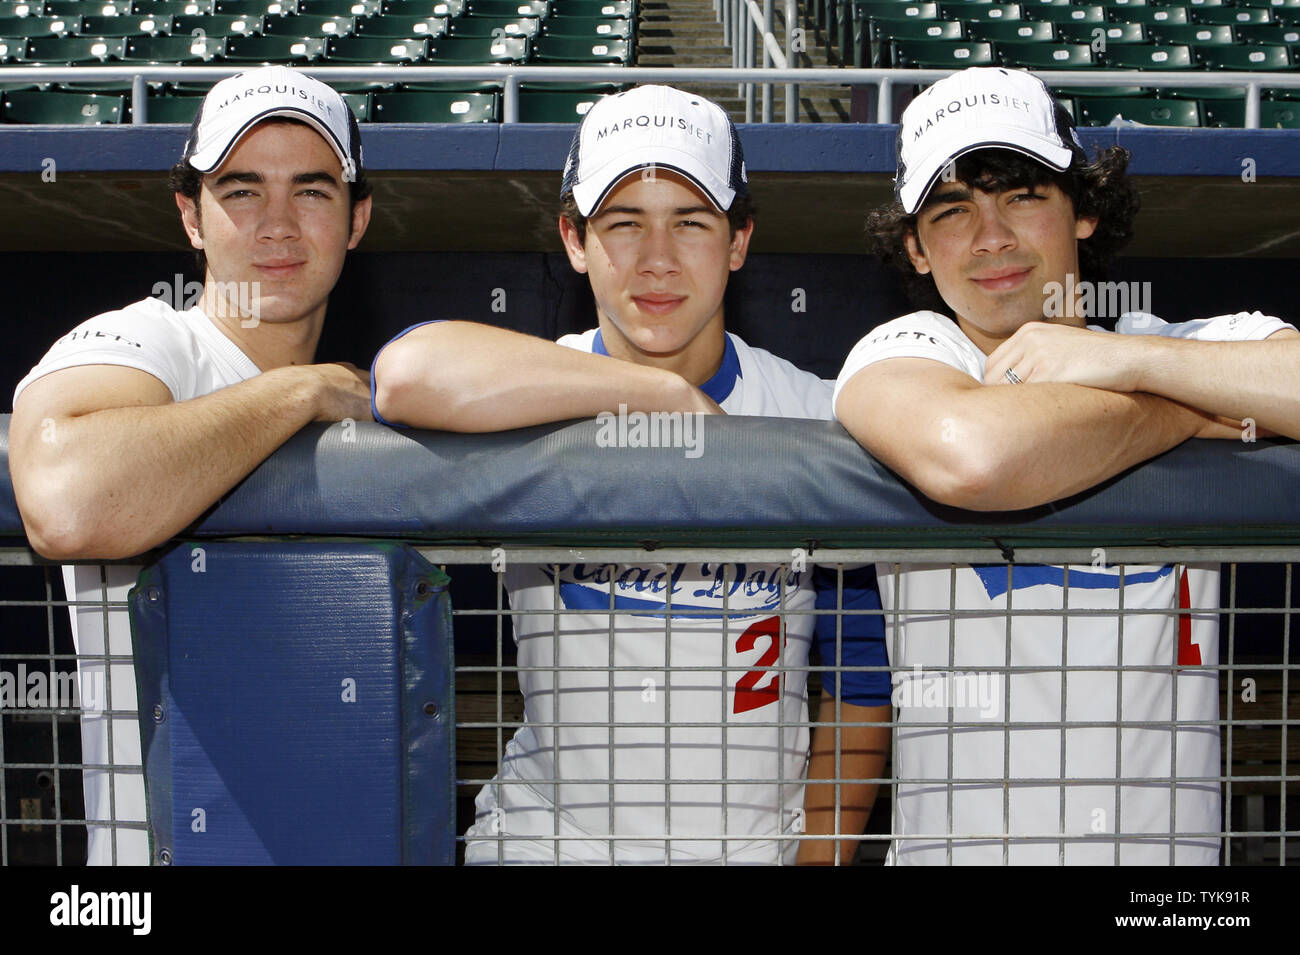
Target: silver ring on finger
(1013,377)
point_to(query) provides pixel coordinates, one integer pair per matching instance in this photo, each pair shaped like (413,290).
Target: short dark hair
(1101,188)
(188,182)
(741,211)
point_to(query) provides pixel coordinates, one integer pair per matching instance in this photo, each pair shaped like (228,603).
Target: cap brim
(922,179)
(593,191)
(212,155)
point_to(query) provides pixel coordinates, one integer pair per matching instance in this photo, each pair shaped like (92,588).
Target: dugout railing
(883,81)
(776,492)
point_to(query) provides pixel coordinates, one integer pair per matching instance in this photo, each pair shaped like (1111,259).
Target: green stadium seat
(1232,113)
(853,40)
(1046,56)
(450,50)
(1231,15)
(1100,110)
(376,49)
(1266,33)
(508,8)
(1110,33)
(1270,4)
(1015,31)
(398,26)
(223,25)
(883,32)
(971,12)
(581,50)
(83,109)
(1123,4)
(22,8)
(434,108)
(39,26)
(456,86)
(132,24)
(173,8)
(1029,4)
(614,27)
(275,49)
(253,8)
(536,106)
(359,103)
(487,27)
(424,8)
(173,109)
(1200,34)
(75,49)
(13,48)
(1243,58)
(1149,15)
(1279,115)
(86,8)
(1169,56)
(338,8)
(310,24)
(625,9)
(1093,13)
(941,54)
(173,49)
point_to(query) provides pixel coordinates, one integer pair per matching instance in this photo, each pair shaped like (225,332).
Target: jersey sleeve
(853,639)
(138,336)
(373,410)
(1237,327)
(918,335)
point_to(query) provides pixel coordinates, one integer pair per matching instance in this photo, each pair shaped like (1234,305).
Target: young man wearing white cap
(655,734)
(997,212)
(138,420)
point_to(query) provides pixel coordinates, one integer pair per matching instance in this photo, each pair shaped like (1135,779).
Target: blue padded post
(296,704)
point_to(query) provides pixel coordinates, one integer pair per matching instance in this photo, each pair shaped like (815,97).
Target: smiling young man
(668,724)
(140,419)
(995,396)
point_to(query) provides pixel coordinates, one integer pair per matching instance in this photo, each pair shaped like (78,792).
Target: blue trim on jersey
(994,577)
(723,382)
(373,410)
(577,597)
(861,637)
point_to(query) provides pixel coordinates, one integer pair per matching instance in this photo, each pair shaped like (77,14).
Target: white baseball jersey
(634,721)
(191,356)
(1132,703)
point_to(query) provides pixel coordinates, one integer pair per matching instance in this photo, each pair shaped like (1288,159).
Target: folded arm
(462,376)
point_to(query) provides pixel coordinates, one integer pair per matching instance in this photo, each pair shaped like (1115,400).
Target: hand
(344,392)
(1042,352)
(706,404)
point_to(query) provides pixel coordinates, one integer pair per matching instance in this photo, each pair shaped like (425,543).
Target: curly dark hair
(741,211)
(1101,188)
(188,181)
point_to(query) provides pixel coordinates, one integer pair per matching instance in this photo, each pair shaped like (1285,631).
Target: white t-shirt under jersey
(192,357)
(1009,702)
(656,723)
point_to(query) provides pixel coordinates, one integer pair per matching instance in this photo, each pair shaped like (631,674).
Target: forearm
(113,483)
(461,376)
(842,752)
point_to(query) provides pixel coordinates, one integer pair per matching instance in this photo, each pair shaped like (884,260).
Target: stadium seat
(487,27)
(127,25)
(508,8)
(75,49)
(1273,5)
(581,51)
(22,8)
(224,25)
(274,49)
(1100,110)
(255,8)
(13,48)
(1231,15)
(1022,31)
(173,8)
(971,12)
(853,40)
(941,54)
(618,27)
(173,49)
(1046,56)
(625,9)
(434,108)
(425,8)
(883,32)
(536,106)
(1149,15)
(1123,4)
(469,49)
(1199,34)
(1154,57)
(39,26)
(397,26)
(374,49)
(1243,58)
(85,8)
(1266,33)
(173,109)
(1083,14)
(338,8)
(310,24)
(83,109)
(359,103)
(1110,33)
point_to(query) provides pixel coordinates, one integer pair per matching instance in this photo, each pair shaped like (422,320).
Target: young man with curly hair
(1026,736)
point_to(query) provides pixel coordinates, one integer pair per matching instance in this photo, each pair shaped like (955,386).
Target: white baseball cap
(980,108)
(660,127)
(238,103)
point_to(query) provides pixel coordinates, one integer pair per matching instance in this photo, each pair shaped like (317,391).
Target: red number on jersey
(749,695)
(1189,654)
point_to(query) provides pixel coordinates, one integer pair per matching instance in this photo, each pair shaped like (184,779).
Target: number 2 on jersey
(749,695)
